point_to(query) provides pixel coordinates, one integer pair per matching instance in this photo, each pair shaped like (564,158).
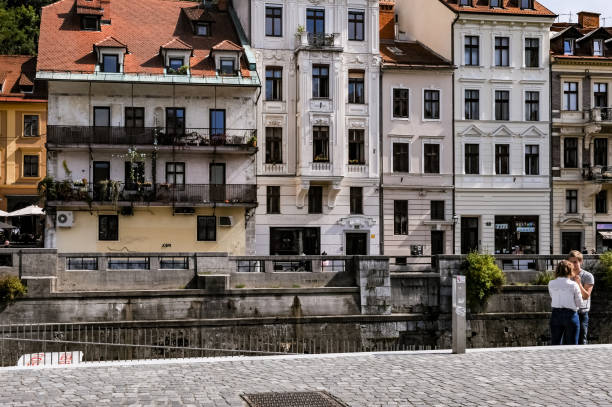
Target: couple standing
(571,300)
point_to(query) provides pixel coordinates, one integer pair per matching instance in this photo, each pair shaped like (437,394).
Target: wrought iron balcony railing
(601,114)
(111,191)
(598,173)
(321,40)
(65,135)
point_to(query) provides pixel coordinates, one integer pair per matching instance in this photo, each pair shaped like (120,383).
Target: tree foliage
(483,278)
(19,26)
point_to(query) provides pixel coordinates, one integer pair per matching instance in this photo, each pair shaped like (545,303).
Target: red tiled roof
(176,43)
(89,7)
(227,45)
(510,7)
(197,13)
(18,70)
(110,42)
(409,54)
(145,25)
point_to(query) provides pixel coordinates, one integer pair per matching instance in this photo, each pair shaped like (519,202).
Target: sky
(573,6)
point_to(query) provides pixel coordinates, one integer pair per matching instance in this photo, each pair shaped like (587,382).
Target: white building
(502,179)
(317,165)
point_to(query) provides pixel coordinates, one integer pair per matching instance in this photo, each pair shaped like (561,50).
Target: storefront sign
(501,226)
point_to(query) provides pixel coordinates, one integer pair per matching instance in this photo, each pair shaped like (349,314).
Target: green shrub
(605,267)
(544,277)
(483,278)
(11,288)
(240,286)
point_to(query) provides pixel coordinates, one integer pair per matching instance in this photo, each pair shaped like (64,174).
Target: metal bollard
(459,312)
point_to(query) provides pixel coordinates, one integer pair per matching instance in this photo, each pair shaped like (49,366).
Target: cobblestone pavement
(508,377)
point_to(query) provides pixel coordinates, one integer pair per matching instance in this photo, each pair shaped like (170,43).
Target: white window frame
(441,154)
(511,164)
(541,113)
(510,49)
(540,150)
(540,39)
(601,47)
(510,110)
(401,140)
(423,105)
(565,80)
(480,45)
(407,119)
(480,161)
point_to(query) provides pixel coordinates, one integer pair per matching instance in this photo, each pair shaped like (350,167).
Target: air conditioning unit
(226,221)
(65,219)
(184,210)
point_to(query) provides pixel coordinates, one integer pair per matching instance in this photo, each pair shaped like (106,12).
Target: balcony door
(469,234)
(217,182)
(315,21)
(217,126)
(101,172)
(101,124)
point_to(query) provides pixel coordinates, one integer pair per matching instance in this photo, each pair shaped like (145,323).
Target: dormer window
(568,46)
(26,88)
(110,63)
(175,64)
(598,48)
(496,3)
(226,67)
(203,29)
(526,4)
(467,3)
(90,23)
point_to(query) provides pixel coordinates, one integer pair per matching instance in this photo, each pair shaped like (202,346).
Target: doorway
(437,242)
(101,122)
(469,234)
(571,241)
(356,244)
(217,182)
(101,172)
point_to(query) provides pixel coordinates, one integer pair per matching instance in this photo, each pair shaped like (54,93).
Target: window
(401,103)
(471,50)
(502,105)
(472,107)
(356,147)
(273,199)
(30,166)
(134,117)
(532,106)
(134,174)
(356,87)
(495,3)
(108,227)
(401,160)
(400,217)
(526,4)
(81,263)
(320,148)
(570,96)
(532,52)
(175,64)
(571,201)
(465,3)
(601,202)
(502,51)
(90,23)
(570,145)
(600,153)
(110,63)
(207,228)
(175,173)
(598,48)
(128,263)
(320,81)
(217,125)
(175,121)
(532,160)
(472,159)
(174,263)
(431,104)
(274,83)
(600,94)
(568,46)
(315,199)
(274,21)
(315,21)
(502,159)
(203,29)
(431,155)
(227,66)
(356,198)
(437,210)
(274,145)
(30,125)
(356,25)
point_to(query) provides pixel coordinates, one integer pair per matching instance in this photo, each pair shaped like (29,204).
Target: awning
(6,226)
(3,214)
(31,210)
(606,235)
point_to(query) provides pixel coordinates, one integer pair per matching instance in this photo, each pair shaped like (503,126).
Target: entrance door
(217,182)
(101,125)
(437,242)
(356,244)
(571,241)
(101,172)
(469,234)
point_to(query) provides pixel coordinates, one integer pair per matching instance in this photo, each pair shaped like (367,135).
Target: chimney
(222,5)
(587,19)
(387,19)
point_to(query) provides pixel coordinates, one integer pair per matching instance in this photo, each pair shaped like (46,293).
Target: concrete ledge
(414,274)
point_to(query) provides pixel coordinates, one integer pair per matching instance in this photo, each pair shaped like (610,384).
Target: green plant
(605,267)
(252,141)
(296,286)
(301,29)
(183,70)
(483,278)
(544,277)
(240,286)
(11,288)
(66,169)
(46,190)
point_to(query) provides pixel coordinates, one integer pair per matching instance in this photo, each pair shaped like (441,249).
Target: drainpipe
(381,196)
(550,158)
(453,109)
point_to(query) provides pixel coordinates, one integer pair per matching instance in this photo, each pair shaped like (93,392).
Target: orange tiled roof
(510,7)
(89,7)
(409,54)
(143,25)
(580,34)
(18,70)
(110,42)
(227,45)
(176,43)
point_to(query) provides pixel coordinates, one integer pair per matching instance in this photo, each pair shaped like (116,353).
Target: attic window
(496,3)
(568,46)
(203,29)
(175,63)
(226,67)
(395,50)
(598,48)
(26,88)
(90,23)
(526,4)
(467,3)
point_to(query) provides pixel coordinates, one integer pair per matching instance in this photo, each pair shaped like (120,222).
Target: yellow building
(23,120)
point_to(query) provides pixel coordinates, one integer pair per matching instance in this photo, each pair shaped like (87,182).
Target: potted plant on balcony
(301,36)
(321,158)
(354,162)
(252,141)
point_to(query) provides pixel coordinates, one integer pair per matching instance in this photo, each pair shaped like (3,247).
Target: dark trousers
(584,327)
(564,327)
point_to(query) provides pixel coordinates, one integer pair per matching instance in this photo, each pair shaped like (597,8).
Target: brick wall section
(588,20)
(387,20)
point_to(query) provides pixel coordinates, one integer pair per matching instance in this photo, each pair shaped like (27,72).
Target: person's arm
(585,290)
(580,303)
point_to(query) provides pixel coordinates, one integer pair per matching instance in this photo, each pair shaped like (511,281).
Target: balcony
(118,193)
(61,136)
(601,115)
(316,41)
(598,173)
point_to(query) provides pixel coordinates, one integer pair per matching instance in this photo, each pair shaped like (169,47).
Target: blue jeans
(564,327)
(584,327)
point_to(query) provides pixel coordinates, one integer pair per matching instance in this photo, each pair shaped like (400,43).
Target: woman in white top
(566,300)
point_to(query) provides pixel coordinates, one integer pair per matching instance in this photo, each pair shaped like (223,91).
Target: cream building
(317,165)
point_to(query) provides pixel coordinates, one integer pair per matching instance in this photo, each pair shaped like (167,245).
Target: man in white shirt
(585,281)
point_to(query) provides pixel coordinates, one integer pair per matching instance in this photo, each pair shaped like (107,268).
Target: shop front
(516,235)
(603,237)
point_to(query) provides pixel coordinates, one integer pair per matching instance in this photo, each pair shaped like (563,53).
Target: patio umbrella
(6,226)
(3,214)
(31,210)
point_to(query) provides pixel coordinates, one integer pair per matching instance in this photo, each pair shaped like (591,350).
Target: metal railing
(65,135)
(601,114)
(598,173)
(66,191)
(321,40)
(295,264)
